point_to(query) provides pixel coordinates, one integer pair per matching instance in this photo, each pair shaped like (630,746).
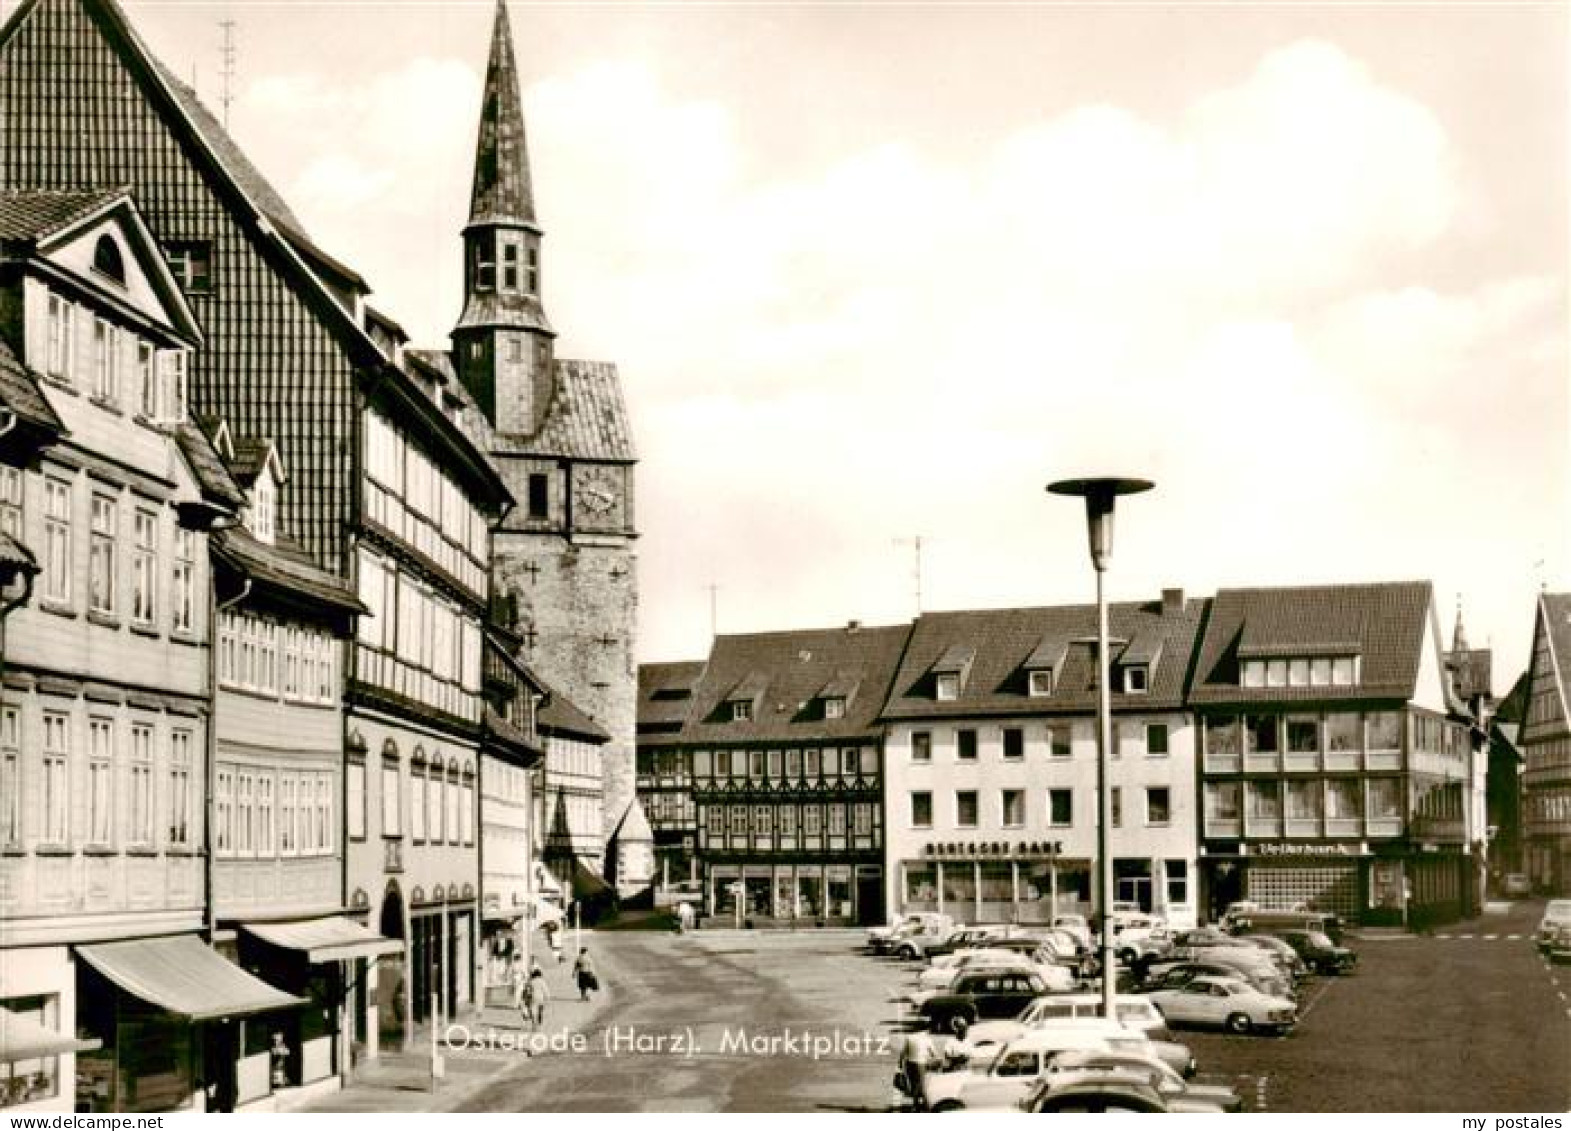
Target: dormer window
(1039,683)
(1301,671)
(107,259)
(264,502)
(1137,679)
(509,266)
(191,263)
(946,686)
(834,708)
(741,710)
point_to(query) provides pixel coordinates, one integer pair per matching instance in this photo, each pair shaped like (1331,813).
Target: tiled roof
(1472,672)
(748,688)
(286,570)
(795,667)
(662,704)
(231,156)
(250,455)
(558,715)
(1008,642)
(1556,610)
(1384,623)
(514,310)
(502,191)
(842,685)
(586,419)
(1145,648)
(27,215)
(15,556)
(956,658)
(20,392)
(471,420)
(211,476)
(500,728)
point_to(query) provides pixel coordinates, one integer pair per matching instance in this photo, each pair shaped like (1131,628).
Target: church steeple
(1458,634)
(502,343)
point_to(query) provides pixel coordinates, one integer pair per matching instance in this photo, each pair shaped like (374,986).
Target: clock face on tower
(598,491)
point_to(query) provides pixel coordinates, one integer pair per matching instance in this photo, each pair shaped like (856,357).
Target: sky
(880,272)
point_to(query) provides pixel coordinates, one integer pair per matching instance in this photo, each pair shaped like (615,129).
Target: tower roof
(502,192)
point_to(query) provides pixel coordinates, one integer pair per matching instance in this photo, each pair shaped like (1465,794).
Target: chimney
(853,626)
(1172,602)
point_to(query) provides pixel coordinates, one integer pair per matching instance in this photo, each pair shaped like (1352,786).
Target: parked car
(1269,922)
(880,940)
(1556,915)
(1230,1003)
(967,938)
(938,979)
(978,994)
(1278,945)
(1076,925)
(1319,953)
(1109,1094)
(1220,964)
(1559,948)
(1167,1083)
(1004,1078)
(1135,1012)
(1515,885)
(913,944)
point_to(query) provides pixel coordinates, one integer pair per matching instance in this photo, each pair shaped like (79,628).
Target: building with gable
(105,723)
(1545,742)
(990,765)
(1335,759)
(388,490)
(564,568)
(665,767)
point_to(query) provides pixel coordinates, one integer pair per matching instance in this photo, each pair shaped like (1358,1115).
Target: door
(869,899)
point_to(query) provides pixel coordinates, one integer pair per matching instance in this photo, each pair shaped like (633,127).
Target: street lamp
(1099,495)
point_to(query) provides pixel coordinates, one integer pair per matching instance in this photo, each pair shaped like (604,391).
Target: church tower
(563,566)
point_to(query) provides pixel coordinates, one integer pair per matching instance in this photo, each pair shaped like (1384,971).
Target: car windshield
(1318,940)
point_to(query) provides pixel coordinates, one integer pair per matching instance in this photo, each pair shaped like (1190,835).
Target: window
(1058,738)
(921,746)
(1135,679)
(1177,872)
(191,263)
(100,782)
(245,812)
(921,810)
(184,581)
(223,811)
(1159,809)
(139,825)
(57,782)
(1115,806)
(965,809)
(263,504)
(11,501)
(1039,682)
(288,791)
(1012,808)
(1222,801)
(1384,799)
(965,745)
(1342,732)
(531,267)
(741,710)
(390,799)
(1014,744)
(509,266)
(417,801)
(1384,730)
(947,686)
(1303,800)
(144,566)
(57,541)
(1261,732)
(485,265)
(1156,740)
(146,382)
(61,338)
(101,555)
(1342,801)
(1303,734)
(1265,801)
(324,813)
(834,708)
(1222,737)
(1344,671)
(467,810)
(180,789)
(433,803)
(10,777)
(106,362)
(265,844)
(172,385)
(1060,807)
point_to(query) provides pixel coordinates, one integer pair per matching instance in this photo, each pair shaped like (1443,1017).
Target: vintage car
(1228,1003)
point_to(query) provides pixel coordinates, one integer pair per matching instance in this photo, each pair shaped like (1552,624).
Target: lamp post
(1099,495)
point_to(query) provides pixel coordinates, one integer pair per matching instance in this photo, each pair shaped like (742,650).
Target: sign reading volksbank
(1311,848)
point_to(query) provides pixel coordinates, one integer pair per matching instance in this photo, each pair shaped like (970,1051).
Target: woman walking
(584,975)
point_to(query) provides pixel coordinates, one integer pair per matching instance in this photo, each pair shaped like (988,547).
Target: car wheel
(960,1024)
(948,1105)
(908,953)
(1238,1023)
(1127,957)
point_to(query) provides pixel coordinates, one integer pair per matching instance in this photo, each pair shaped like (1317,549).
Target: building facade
(990,766)
(787,777)
(1335,761)
(565,567)
(105,721)
(665,767)
(1545,741)
(571,811)
(387,490)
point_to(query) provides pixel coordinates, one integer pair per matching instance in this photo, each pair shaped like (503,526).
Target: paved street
(1467,1020)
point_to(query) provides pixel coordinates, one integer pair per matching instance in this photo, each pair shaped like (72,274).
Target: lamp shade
(1099,493)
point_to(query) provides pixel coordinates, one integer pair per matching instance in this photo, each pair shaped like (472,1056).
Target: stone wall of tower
(577,609)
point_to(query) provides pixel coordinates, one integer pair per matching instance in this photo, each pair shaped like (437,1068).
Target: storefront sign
(970,849)
(1308,849)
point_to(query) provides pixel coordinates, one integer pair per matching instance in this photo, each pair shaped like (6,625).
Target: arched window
(107,259)
(417,802)
(391,801)
(433,797)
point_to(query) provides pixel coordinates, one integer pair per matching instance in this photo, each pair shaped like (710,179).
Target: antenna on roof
(916,569)
(228,54)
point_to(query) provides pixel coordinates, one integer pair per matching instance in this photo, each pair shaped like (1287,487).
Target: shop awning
(182,974)
(325,940)
(22,1038)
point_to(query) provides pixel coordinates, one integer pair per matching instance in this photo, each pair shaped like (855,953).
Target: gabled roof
(1554,619)
(251,455)
(21,393)
(1472,672)
(30,215)
(665,695)
(790,669)
(216,484)
(1382,623)
(1008,643)
(560,716)
(586,418)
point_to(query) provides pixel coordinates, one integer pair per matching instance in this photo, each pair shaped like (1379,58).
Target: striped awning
(22,1038)
(328,939)
(185,976)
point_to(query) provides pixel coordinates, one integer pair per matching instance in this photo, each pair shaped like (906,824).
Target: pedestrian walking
(584,975)
(684,917)
(538,994)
